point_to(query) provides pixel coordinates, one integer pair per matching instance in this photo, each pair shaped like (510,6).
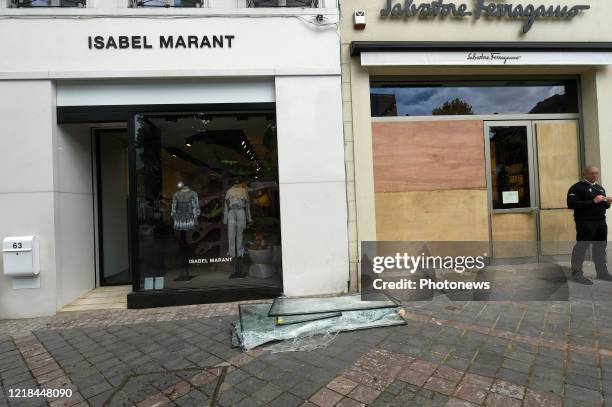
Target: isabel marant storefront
(196,155)
(469,120)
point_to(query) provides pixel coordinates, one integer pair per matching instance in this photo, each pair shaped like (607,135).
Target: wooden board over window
(428,155)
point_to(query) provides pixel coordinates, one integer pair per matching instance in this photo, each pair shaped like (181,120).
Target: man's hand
(609,199)
(599,199)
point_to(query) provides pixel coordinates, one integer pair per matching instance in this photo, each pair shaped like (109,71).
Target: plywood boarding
(514,235)
(428,155)
(558,156)
(454,215)
(557,231)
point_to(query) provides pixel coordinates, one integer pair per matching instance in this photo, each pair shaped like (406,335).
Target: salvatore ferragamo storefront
(469,120)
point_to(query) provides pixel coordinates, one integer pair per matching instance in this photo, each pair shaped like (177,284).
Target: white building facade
(114,112)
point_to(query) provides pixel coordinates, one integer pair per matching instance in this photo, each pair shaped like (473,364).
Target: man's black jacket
(580,198)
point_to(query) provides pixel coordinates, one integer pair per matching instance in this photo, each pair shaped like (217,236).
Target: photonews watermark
(466,271)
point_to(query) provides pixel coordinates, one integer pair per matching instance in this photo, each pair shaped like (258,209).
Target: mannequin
(185,208)
(236,215)
(185,212)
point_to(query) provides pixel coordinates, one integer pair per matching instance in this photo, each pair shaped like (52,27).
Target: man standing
(589,202)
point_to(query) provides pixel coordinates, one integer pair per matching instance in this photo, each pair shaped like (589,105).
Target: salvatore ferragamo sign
(439,9)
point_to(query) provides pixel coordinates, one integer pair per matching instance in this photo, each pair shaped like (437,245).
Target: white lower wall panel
(314,238)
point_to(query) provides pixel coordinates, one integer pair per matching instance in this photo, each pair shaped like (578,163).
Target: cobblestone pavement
(449,354)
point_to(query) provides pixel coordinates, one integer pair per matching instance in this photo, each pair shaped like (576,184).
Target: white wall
(603,81)
(27,109)
(45,190)
(312,185)
(264,46)
(74,217)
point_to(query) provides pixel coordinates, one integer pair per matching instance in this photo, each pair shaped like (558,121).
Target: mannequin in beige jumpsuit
(236,215)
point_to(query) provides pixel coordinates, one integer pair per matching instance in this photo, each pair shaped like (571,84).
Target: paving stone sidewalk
(449,354)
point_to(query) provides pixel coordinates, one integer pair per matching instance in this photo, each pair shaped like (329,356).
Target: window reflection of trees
(453,107)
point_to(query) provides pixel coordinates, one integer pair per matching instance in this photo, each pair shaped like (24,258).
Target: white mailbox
(20,256)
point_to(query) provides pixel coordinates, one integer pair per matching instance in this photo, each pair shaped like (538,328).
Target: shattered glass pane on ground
(256,328)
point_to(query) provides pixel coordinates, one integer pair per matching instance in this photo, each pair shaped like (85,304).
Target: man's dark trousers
(589,232)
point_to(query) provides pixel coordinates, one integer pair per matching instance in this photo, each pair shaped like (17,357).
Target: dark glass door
(113,195)
(512,192)
(510,167)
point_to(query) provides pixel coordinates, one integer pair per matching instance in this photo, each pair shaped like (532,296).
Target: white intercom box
(20,255)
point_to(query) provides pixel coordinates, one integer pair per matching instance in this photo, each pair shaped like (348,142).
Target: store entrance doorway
(530,166)
(113,206)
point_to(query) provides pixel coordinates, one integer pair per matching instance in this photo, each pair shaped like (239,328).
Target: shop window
(47,3)
(167,3)
(472,98)
(283,3)
(207,201)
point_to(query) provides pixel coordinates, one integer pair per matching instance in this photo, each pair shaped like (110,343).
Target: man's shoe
(604,277)
(581,279)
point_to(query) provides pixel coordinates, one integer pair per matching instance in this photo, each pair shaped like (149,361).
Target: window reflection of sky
(420,101)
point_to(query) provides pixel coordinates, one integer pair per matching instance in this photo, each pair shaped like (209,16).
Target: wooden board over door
(558,158)
(514,235)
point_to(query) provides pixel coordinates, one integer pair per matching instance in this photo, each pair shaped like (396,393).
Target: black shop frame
(126,114)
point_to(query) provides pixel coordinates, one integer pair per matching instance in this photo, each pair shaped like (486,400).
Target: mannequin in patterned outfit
(185,212)
(185,208)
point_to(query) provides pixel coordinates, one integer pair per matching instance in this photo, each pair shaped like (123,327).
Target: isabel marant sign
(438,8)
(101,42)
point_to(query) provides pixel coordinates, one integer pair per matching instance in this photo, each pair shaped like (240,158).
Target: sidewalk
(449,354)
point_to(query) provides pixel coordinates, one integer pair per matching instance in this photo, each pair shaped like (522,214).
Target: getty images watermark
(465,271)
(404,262)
